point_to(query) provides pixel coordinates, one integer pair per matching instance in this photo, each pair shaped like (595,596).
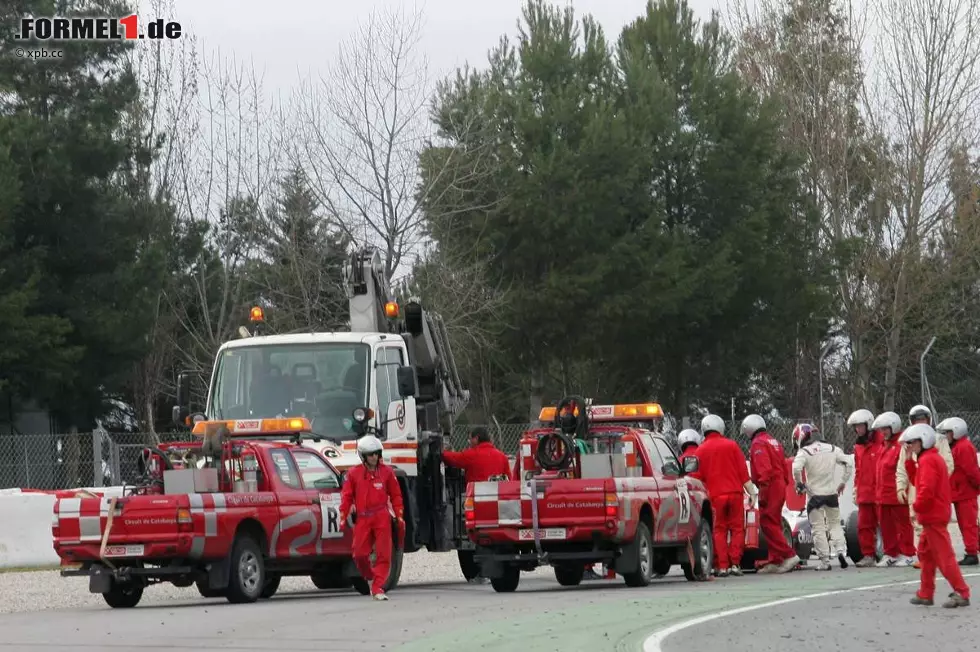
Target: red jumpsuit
(722,469)
(965,486)
(479,462)
(933,507)
(769,475)
(865,487)
(376,497)
(897,536)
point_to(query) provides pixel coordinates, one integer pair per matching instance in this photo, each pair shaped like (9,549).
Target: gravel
(45,590)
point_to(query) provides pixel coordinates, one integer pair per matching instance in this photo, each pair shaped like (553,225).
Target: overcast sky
(292,37)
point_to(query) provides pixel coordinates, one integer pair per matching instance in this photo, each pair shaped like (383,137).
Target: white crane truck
(394,369)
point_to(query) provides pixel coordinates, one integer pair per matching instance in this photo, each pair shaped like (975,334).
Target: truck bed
(567,510)
(154,526)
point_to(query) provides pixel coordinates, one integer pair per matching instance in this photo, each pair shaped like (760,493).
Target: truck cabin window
(323,382)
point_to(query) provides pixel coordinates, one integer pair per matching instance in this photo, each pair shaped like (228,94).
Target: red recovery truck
(232,513)
(598,484)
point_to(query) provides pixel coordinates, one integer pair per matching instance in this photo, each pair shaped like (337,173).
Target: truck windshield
(323,382)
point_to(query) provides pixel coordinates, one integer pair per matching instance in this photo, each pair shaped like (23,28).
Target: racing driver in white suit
(820,461)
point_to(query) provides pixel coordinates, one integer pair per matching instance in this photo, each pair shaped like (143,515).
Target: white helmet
(752,424)
(888,420)
(688,436)
(368,444)
(920,411)
(861,416)
(712,423)
(955,425)
(919,432)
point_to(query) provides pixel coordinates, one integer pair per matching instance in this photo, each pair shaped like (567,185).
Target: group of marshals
(723,470)
(907,483)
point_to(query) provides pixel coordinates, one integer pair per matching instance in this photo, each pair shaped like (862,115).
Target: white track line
(654,642)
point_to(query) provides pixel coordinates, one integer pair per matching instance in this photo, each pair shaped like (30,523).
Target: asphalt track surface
(598,615)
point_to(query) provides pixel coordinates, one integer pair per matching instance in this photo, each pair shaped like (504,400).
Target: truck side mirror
(183,407)
(691,465)
(406,382)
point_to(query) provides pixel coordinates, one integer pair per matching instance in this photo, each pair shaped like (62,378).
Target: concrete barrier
(25,537)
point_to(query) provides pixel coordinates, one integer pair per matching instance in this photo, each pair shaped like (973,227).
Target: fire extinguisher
(751,523)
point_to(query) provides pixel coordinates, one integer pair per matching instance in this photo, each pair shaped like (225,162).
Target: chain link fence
(100,458)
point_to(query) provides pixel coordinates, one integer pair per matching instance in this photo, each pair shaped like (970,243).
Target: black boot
(969,560)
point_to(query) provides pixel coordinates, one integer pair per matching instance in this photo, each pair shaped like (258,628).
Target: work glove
(800,488)
(840,489)
(903,498)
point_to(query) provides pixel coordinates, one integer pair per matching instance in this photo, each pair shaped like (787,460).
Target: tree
(226,173)
(363,129)
(926,104)
(62,123)
(610,177)
(806,57)
(299,270)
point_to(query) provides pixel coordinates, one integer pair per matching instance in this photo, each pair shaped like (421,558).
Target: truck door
(400,414)
(688,515)
(671,499)
(322,486)
(297,532)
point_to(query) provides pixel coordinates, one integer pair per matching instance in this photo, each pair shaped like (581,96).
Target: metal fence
(100,458)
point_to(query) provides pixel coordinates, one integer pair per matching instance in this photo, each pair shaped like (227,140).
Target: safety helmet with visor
(954,426)
(888,420)
(920,412)
(921,432)
(688,437)
(367,445)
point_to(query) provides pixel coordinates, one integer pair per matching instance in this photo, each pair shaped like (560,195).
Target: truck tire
(570,575)
(123,595)
(643,574)
(508,582)
(206,591)
(331,576)
(703,550)
(394,572)
(271,586)
(247,578)
(470,568)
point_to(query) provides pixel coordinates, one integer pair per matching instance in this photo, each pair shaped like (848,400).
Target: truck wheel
(394,574)
(703,549)
(570,575)
(271,586)
(206,591)
(247,578)
(123,596)
(643,574)
(507,583)
(470,568)
(331,577)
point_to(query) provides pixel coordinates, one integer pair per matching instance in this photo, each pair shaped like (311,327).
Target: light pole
(923,383)
(823,354)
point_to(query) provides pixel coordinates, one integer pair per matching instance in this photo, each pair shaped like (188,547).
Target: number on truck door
(684,500)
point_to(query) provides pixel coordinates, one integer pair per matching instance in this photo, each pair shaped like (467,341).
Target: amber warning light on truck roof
(391,310)
(256,426)
(256,314)
(627,412)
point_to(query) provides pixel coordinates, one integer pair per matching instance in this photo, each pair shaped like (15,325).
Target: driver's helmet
(368,444)
(805,434)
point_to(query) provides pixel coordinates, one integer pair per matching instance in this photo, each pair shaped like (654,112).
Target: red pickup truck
(603,486)
(231,515)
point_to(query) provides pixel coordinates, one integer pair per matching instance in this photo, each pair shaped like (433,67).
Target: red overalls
(376,497)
